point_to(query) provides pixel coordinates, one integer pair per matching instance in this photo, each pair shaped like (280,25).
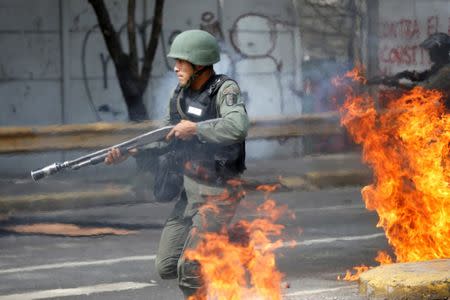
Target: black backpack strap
(211,91)
(215,86)
(173,111)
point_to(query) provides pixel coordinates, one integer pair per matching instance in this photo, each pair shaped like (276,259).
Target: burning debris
(239,262)
(407,146)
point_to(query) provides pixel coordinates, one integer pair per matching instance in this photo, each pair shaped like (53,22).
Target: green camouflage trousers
(184,228)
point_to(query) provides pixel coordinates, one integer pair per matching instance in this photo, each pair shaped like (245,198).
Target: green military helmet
(195,46)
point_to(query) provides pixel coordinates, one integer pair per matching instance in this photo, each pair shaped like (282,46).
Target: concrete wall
(333,35)
(261,48)
(327,28)
(55,69)
(403,25)
(398,28)
(30,64)
(260,42)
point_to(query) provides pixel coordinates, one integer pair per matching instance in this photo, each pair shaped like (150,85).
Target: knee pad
(189,275)
(166,268)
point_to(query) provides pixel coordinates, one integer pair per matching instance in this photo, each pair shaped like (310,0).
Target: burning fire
(239,263)
(408,147)
(382,258)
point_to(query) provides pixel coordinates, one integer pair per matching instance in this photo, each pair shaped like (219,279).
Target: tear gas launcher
(99,156)
(394,80)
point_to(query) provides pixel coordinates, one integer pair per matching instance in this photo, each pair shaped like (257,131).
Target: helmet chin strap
(195,75)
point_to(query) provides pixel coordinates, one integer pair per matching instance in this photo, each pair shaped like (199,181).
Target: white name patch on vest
(195,111)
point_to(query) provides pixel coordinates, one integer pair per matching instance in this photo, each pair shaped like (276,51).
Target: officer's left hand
(184,130)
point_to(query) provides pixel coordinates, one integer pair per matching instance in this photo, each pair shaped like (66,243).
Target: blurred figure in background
(436,77)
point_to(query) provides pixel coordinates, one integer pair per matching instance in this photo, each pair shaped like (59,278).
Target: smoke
(159,93)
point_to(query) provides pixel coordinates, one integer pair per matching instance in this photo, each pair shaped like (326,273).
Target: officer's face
(184,71)
(439,55)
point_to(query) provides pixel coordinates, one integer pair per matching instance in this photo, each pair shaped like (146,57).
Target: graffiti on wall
(400,39)
(106,62)
(259,48)
(247,47)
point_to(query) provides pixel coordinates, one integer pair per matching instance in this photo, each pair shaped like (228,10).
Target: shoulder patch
(232,89)
(231,99)
(231,94)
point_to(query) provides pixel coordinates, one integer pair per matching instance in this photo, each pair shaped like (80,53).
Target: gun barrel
(47,171)
(99,156)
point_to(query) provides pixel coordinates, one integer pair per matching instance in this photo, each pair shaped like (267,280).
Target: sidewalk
(413,281)
(312,172)
(71,190)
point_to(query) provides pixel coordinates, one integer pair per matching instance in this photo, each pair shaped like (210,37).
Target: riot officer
(438,77)
(212,154)
(438,47)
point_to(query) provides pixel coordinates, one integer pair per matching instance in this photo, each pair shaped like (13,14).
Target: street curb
(338,178)
(412,281)
(296,183)
(109,194)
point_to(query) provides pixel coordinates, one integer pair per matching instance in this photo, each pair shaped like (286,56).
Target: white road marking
(83,290)
(336,207)
(324,208)
(152,257)
(78,264)
(333,239)
(318,291)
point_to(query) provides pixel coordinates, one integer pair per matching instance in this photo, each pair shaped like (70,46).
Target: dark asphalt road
(337,234)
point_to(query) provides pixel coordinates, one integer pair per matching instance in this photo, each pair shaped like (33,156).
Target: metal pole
(64,15)
(297,42)
(372,39)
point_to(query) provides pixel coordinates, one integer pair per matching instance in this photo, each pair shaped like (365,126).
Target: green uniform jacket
(234,124)
(439,81)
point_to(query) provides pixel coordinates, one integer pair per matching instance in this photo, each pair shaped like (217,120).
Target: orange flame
(382,258)
(268,188)
(353,277)
(239,263)
(407,146)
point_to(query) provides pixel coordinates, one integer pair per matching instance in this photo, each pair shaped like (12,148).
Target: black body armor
(207,161)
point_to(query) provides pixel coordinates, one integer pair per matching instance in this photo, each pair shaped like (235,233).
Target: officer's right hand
(115,157)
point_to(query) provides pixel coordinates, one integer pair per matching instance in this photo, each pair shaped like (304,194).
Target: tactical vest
(208,161)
